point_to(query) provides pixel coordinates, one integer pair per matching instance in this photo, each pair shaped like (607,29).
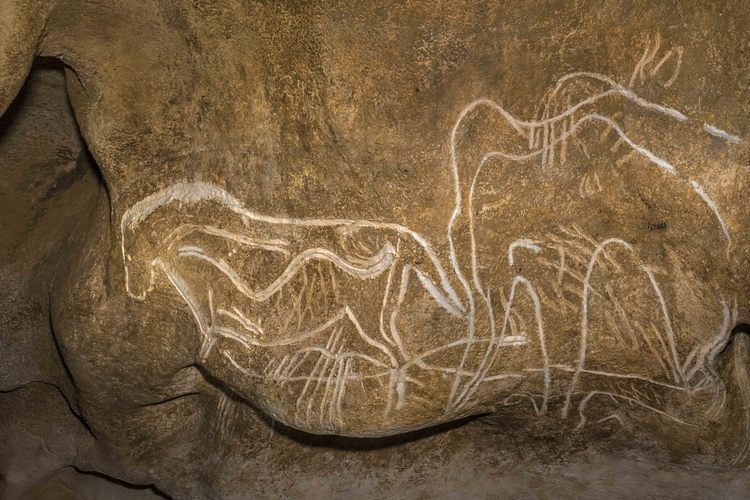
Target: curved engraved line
(676,366)
(473,385)
(184,230)
(378,263)
(248,341)
(661,163)
(722,134)
(517,125)
(239,367)
(585,400)
(195,192)
(708,201)
(626,376)
(374,343)
(619,89)
(522,243)
(246,323)
(342,355)
(720,341)
(666,166)
(384,303)
(184,291)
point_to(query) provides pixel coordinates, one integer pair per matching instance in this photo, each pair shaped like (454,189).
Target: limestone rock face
(369,219)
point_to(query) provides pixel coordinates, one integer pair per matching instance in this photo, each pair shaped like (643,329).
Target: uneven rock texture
(430,247)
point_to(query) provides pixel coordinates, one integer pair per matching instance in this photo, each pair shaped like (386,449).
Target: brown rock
(256,223)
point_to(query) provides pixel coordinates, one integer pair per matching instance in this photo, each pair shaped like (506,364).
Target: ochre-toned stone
(365,220)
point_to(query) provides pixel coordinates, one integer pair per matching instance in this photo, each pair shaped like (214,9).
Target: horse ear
(21,29)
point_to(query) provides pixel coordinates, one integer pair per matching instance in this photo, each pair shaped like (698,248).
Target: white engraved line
(319,362)
(243,320)
(514,399)
(352,376)
(335,404)
(378,263)
(485,366)
(435,350)
(676,365)
(511,340)
(367,339)
(249,341)
(626,92)
(667,325)
(570,369)
(323,372)
(515,124)
(237,366)
(614,416)
(297,360)
(272,245)
(521,243)
(717,132)
(638,70)
(194,192)
(585,400)
(335,345)
(720,340)
(337,365)
(707,199)
(342,390)
(405,274)
(502,376)
(663,164)
(430,367)
(433,290)
(732,320)
(395,333)
(386,294)
(183,290)
(391,391)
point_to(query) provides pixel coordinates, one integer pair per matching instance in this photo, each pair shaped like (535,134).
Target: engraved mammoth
(367,220)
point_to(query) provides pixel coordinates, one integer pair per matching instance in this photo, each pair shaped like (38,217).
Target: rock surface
(250,245)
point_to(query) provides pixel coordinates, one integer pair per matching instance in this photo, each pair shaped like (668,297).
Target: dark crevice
(172,398)
(62,394)
(67,138)
(75,409)
(347,443)
(143,487)
(737,330)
